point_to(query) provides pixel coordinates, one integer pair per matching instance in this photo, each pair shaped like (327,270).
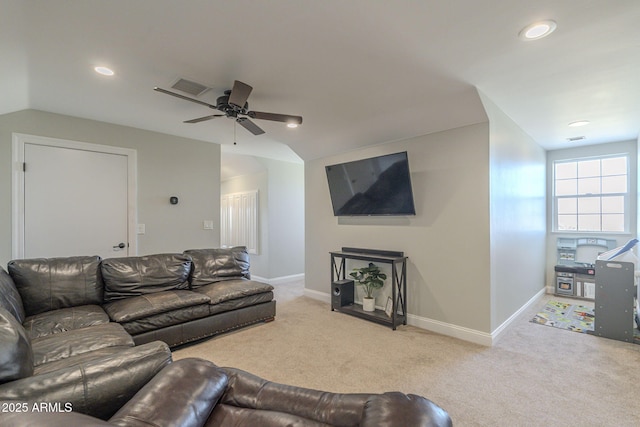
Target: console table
(398,283)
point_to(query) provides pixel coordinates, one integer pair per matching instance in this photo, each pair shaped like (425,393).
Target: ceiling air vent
(187,86)
(576,138)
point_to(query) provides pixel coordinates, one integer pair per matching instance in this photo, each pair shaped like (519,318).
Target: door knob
(120,245)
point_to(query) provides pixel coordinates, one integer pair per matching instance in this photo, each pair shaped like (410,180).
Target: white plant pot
(369,304)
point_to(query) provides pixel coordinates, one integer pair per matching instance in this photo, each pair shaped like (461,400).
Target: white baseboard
(495,335)
(283,280)
(424,323)
(460,332)
(317,295)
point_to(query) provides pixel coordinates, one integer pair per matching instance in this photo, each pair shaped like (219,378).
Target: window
(591,194)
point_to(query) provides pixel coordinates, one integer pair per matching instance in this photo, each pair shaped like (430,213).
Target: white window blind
(239,220)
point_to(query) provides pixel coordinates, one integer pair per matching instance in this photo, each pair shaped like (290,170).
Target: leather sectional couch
(216,397)
(69,324)
(84,361)
(175,298)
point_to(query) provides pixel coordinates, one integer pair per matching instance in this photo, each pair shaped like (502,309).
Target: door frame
(17,183)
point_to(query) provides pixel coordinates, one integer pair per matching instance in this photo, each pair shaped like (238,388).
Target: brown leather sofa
(196,393)
(175,298)
(74,355)
(85,330)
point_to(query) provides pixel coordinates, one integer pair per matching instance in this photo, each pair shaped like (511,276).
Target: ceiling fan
(233,104)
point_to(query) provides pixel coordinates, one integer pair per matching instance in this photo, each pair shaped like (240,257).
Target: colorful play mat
(573,317)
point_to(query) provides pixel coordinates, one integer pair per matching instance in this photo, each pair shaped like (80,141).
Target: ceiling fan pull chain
(234,132)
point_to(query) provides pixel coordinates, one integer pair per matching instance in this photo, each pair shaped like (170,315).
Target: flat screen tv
(375,186)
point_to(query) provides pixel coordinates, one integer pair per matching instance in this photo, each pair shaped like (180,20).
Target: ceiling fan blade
(285,118)
(177,95)
(239,94)
(250,126)
(202,119)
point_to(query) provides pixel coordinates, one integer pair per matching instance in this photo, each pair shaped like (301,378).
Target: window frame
(626,195)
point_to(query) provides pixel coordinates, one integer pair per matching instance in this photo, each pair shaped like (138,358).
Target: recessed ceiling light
(579,123)
(292,125)
(104,71)
(537,30)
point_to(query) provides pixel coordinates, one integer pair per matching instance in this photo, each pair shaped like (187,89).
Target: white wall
(518,216)
(447,241)
(286,218)
(167,166)
(477,244)
(630,147)
(281,226)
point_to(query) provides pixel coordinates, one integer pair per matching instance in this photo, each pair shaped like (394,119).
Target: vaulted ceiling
(360,72)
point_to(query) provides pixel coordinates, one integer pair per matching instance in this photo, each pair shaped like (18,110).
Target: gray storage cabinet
(615,292)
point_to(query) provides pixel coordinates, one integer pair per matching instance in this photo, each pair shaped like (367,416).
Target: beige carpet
(533,376)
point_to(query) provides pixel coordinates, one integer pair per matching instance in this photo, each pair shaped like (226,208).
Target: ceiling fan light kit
(233,104)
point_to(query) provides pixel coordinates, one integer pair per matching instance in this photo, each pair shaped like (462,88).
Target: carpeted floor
(532,376)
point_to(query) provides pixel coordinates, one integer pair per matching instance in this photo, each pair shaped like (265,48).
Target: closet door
(75,201)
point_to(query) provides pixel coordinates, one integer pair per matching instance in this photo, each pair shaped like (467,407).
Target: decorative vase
(369,304)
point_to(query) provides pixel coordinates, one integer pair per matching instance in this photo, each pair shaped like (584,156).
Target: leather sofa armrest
(398,409)
(182,394)
(96,387)
(246,390)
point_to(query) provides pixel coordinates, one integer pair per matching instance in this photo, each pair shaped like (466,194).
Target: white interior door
(75,201)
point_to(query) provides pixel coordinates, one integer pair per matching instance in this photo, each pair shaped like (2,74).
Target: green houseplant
(370,278)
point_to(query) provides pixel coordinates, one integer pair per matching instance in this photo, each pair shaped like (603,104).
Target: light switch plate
(142,229)
(207,225)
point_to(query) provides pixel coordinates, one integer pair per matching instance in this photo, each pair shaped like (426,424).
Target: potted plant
(370,278)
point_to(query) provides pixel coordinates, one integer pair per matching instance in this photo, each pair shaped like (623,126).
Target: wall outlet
(207,225)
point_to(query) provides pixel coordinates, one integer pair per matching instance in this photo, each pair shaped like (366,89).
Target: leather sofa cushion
(232,289)
(16,357)
(395,408)
(134,276)
(53,283)
(214,265)
(71,343)
(52,419)
(64,319)
(78,359)
(129,309)
(236,303)
(228,415)
(10,297)
(180,317)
